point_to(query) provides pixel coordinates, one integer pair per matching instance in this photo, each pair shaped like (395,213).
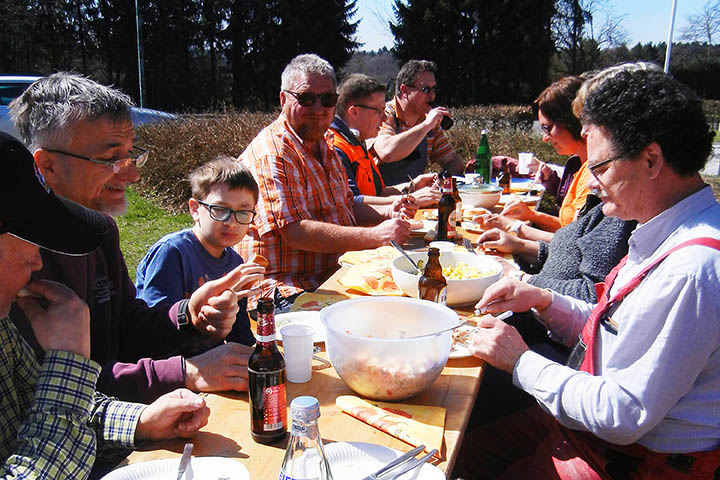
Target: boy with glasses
(224,195)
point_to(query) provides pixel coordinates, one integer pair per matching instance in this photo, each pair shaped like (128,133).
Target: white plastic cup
(297,347)
(524,159)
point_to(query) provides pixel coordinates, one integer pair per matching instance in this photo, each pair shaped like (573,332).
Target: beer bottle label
(275,410)
(442,296)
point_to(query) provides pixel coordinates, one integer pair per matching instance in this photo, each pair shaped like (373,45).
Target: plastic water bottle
(305,457)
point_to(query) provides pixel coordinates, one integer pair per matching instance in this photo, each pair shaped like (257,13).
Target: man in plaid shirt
(307,215)
(51,418)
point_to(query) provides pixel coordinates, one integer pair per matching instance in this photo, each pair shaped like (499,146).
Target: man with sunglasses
(82,139)
(306,213)
(639,396)
(359,113)
(411,136)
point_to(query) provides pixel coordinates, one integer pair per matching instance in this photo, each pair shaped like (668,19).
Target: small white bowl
(459,292)
(443,246)
(486,196)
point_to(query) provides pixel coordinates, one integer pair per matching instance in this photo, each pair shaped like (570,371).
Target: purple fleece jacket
(126,335)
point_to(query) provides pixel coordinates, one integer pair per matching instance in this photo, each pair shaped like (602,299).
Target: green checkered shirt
(51,415)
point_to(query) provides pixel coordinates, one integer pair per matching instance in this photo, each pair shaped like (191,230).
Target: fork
(414,464)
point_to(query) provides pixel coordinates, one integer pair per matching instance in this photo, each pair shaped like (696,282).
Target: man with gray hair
(82,140)
(306,214)
(411,136)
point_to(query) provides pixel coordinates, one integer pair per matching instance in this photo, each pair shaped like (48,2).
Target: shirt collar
(647,237)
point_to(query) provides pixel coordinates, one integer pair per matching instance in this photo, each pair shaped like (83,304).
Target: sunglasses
(308,99)
(426,90)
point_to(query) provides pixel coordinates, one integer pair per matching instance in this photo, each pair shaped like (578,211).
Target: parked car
(12,86)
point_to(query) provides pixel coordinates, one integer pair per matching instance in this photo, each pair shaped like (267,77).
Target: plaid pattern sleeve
(295,185)
(114,421)
(45,433)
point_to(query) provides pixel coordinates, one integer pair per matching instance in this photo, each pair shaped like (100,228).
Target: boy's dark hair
(555,102)
(222,169)
(353,89)
(407,73)
(641,107)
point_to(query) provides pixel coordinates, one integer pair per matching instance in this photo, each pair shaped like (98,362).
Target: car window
(10,91)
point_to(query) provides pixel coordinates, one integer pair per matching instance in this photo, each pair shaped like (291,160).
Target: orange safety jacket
(367,176)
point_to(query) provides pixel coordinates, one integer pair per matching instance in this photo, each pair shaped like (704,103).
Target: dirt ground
(715,183)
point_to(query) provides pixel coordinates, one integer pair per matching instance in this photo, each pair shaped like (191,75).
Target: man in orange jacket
(360,111)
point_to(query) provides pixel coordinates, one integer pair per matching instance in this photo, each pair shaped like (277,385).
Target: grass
(143,225)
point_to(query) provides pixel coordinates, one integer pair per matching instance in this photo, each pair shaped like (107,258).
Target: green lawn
(143,225)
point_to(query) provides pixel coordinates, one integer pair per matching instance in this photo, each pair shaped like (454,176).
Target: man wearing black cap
(51,418)
(82,139)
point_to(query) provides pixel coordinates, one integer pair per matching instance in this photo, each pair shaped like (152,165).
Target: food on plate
(371,279)
(310,301)
(385,253)
(416,224)
(461,271)
(430,214)
(470,213)
(259,260)
(461,337)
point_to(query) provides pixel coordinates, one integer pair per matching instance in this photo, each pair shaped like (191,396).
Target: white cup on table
(524,159)
(298,348)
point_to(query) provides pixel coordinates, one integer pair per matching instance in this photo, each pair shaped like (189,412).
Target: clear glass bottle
(305,457)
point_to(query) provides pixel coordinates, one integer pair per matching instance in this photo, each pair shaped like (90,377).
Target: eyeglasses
(379,111)
(426,90)
(222,214)
(308,99)
(547,127)
(137,155)
(593,168)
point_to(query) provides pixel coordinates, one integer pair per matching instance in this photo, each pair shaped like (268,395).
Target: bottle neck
(308,430)
(266,328)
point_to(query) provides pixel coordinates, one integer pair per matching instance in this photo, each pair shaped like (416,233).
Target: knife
(399,460)
(187,452)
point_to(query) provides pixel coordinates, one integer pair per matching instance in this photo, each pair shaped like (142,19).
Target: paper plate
(472,227)
(309,318)
(199,468)
(525,198)
(356,460)
(457,351)
(427,226)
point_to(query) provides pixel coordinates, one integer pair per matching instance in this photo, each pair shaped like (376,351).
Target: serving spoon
(401,250)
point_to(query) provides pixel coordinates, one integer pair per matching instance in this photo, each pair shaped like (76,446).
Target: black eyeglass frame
(308,99)
(138,155)
(212,209)
(368,107)
(426,90)
(593,168)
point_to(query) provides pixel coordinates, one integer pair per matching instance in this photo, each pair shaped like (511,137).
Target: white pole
(668,49)
(138,25)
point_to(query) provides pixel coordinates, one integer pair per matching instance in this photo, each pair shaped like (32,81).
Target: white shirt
(657,381)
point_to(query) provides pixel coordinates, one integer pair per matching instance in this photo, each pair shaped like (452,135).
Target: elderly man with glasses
(411,135)
(639,396)
(82,139)
(306,212)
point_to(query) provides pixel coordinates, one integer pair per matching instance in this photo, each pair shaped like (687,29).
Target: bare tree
(703,25)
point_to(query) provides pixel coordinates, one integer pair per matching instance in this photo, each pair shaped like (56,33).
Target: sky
(645,20)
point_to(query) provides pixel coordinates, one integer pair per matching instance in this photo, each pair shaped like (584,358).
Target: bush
(712,111)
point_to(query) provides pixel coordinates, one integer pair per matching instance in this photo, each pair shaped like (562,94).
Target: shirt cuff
(528,369)
(121,419)
(358,200)
(67,381)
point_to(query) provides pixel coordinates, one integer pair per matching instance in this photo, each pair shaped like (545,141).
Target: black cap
(31,211)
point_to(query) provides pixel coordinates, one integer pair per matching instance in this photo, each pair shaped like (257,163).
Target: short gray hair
(51,104)
(304,64)
(408,72)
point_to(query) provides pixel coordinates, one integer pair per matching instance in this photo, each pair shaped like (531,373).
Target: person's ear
(47,163)
(653,158)
(282,99)
(194,208)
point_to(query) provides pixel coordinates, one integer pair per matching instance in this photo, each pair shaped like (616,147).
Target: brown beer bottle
(266,380)
(504,177)
(432,285)
(458,207)
(446,206)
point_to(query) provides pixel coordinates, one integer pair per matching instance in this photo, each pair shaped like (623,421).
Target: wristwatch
(183,315)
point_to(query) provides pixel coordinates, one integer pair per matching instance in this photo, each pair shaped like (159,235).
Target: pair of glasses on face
(222,214)
(379,111)
(547,128)
(137,155)
(593,168)
(308,99)
(426,90)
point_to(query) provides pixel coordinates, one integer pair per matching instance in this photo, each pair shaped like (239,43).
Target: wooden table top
(227,433)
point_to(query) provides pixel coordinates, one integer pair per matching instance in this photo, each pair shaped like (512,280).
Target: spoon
(401,250)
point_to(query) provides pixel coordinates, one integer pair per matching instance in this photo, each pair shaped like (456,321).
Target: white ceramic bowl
(485,196)
(366,347)
(459,292)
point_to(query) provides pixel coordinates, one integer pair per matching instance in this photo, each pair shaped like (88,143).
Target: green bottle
(483,161)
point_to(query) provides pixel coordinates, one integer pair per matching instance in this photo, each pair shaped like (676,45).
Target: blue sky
(645,20)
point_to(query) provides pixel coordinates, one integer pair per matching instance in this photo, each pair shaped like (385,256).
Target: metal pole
(668,49)
(139,54)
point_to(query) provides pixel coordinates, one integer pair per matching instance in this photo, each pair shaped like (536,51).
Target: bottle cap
(483,132)
(305,409)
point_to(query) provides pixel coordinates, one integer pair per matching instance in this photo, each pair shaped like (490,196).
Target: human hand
(403,207)
(214,305)
(58,317)
(435,116)
(221,368)
(517,209)
(492,220)
(396,229)
(498,240)
(427,196)
(424,180)
(180,413)
(512,294)
(497,343)
(250,281)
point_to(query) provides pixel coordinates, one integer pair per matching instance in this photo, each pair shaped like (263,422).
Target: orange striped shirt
(294,185)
